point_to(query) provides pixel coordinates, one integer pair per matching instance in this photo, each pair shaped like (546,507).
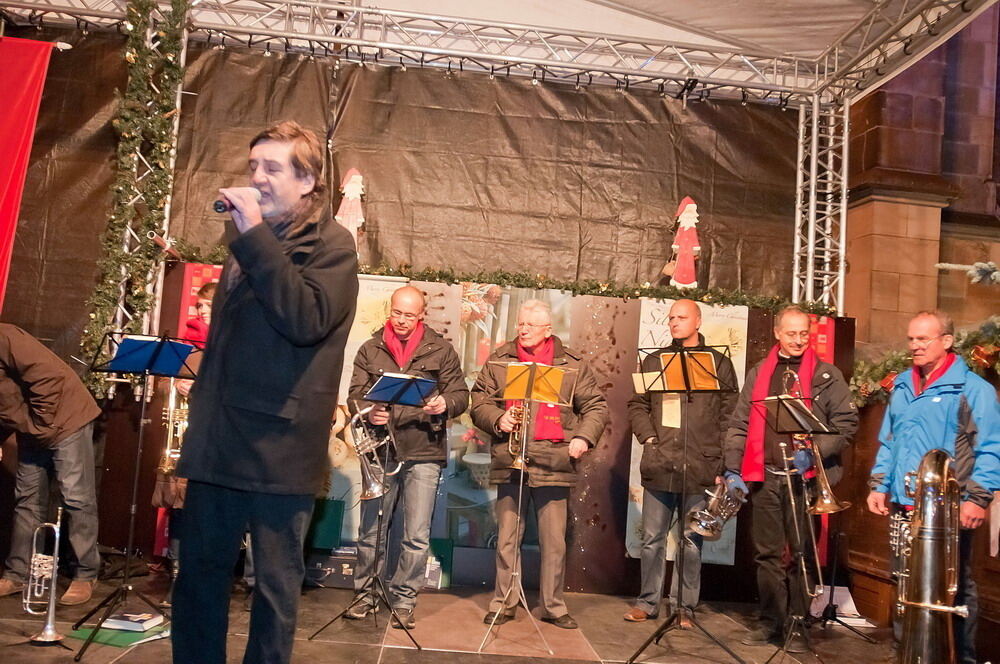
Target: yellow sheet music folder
(548,382)
(701,371)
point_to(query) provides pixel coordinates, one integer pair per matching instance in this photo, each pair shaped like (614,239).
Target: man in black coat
(255,452)
(674,429)
(404,344)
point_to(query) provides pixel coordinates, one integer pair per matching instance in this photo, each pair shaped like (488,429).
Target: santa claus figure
(686,246)
(350,215)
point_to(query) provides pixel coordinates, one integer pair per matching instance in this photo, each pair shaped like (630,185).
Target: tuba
(366,445)
(39,596)
(709,520)
(175,417)
(927,550)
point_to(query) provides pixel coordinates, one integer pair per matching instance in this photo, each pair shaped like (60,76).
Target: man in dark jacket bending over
(667,425)
(255,452)
(405,345)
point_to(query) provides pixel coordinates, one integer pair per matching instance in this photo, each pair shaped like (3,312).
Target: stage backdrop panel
(722,326)
(472,173)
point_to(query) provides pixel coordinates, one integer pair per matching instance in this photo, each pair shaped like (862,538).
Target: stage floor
(450,629)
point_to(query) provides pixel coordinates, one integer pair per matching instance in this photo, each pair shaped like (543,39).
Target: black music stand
(787,414)
(389,389)
(145,356)
(531,383)
(829,614)
(685,371)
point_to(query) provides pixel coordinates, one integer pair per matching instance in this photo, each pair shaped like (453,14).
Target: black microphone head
(220,206)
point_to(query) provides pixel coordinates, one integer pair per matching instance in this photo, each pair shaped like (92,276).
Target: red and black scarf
(402,350)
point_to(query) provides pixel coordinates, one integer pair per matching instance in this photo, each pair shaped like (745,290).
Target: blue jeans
(662,512)
(72,461)
(215,519)
(416,484)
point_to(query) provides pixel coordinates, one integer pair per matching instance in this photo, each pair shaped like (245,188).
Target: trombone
(39,596)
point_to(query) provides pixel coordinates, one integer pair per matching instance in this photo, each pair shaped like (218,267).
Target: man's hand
(435,405)
(183,386)
(972,515)
(507,421)
(578,447)
(246,208)
(878,503)
(379,415)
(735,483)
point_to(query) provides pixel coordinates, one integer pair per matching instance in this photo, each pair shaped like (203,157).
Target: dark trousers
(967,595)
(779,580)
(215,519)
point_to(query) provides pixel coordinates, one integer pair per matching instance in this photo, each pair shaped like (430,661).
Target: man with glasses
(753,455)
(940,404)
(557,438)
(404,344)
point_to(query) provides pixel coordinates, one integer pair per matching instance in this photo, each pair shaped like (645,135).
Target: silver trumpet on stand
(40,592)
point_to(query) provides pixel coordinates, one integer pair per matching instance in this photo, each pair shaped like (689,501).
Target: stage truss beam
(889,37)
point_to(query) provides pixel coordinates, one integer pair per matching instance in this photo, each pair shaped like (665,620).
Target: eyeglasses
(534,326)
(922,342)
(403,316)
(804,336)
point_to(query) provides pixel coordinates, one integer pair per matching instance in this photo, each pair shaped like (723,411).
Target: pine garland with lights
(144,125)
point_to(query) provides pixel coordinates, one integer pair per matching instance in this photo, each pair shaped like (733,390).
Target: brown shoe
(79,592)
(637,615)
(8,587)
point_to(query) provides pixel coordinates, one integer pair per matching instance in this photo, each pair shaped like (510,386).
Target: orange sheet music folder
(701,371)
(547,384)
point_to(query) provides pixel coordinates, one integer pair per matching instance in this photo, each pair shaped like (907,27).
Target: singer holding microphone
(405,344)
(255,449)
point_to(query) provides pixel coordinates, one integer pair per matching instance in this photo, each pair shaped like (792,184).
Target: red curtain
(24,63)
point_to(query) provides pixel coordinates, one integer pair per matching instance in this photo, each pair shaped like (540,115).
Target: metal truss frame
(889,37)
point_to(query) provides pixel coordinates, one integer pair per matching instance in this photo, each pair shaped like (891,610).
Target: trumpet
(175,416)
(515,442)
(366,444)
(39,596)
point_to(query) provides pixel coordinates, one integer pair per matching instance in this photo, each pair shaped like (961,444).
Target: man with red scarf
(753,454)
(940,404)
(405,345)
(558,437)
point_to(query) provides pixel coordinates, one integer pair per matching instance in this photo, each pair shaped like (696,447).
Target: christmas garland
(144,125)
(715,296)
(980,348)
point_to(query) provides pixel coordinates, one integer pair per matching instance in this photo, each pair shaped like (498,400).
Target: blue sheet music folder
(136,352)
(402,389)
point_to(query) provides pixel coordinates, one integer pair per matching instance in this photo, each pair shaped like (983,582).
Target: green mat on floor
(117,637)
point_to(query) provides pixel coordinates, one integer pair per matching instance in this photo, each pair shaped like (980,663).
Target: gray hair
(790,309)
(943,318)
(536,305)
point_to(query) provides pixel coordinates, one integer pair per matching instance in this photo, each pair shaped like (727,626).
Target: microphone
(222,205)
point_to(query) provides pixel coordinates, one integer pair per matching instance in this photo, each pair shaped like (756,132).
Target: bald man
(659,421)
(753,454)
(405,345)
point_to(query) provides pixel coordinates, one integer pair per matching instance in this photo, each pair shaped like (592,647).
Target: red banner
(24,63)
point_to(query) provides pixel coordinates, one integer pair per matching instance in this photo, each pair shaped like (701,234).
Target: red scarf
(548,420)
(402,350)
(196,332)
(753,454)
(920,384)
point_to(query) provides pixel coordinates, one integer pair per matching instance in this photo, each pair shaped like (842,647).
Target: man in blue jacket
(940,404)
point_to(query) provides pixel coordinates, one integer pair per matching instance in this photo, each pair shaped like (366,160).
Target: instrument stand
(119,597)
(147,357)
(673,621)
(377,585)
(830,610)
(516,575)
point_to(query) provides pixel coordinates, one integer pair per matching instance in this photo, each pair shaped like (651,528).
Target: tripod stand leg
(716,641)
(382,595)
(357,599)
(112,601)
